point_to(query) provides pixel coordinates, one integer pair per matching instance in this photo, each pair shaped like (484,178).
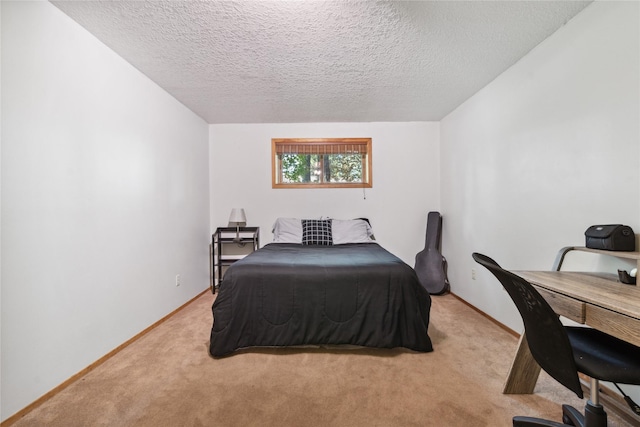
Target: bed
(331,288)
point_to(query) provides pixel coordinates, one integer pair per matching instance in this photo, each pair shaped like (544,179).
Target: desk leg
(524,371)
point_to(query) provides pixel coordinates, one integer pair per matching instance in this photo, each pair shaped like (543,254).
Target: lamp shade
(237,216)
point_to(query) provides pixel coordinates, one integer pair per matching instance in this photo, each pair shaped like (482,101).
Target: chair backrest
(546,336)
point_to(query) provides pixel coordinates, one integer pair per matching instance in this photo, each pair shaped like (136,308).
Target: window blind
(321,148)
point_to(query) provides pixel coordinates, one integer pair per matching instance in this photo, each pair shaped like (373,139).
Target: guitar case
(431,266)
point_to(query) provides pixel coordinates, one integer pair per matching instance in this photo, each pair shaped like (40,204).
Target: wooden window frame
(314,145)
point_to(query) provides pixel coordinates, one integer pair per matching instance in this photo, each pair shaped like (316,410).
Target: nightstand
(226,250)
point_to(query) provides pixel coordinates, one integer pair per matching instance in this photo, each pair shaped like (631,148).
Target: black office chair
(563,351)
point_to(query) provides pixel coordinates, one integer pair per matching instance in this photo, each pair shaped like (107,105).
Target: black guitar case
(431,266)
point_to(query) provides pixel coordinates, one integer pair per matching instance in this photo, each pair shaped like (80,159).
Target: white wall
(104,200)
(405,179)
(549,148)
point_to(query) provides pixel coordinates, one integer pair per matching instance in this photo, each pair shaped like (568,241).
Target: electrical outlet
(473,274)
(177,280)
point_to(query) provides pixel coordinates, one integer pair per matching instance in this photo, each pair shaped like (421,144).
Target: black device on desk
(611,237)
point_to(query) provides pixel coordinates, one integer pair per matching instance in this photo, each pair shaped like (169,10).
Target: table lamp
(237,217)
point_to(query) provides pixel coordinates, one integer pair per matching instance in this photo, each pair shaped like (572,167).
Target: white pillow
(351,231)
(287,230)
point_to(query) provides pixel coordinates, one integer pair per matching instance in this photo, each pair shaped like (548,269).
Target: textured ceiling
(321,61)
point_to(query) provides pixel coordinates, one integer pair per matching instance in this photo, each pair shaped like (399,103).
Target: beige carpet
(167,378)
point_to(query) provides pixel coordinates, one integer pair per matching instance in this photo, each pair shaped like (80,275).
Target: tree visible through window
(328,162)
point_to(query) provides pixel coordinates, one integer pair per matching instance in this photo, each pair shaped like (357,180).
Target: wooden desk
(593,299)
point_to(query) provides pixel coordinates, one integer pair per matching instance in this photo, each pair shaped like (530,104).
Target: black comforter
(288,294)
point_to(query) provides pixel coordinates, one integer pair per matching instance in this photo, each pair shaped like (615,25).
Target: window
(321,163)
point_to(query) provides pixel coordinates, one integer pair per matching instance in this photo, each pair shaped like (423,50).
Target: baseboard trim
(24,411)
(494,321)
(611,399)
